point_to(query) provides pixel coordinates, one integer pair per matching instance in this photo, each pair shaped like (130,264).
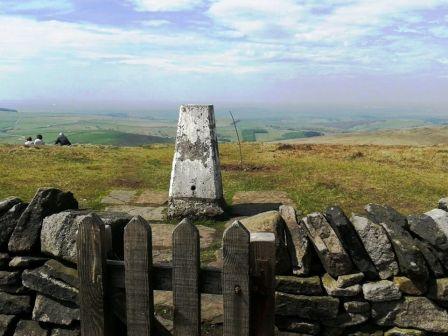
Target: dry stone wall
(376,273)
(38,276)
(382,273)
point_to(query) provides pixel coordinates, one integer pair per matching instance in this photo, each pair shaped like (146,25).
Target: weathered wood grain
(138,269)
(95,314)
(262,263)
(236,281)
(210,277)
(186,292)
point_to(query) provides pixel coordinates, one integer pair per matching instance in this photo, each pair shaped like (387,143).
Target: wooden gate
(124,289)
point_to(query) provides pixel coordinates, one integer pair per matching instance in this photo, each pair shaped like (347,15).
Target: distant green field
(250,134)
(93,129)
(7,120)
(300,134)
(116,138)
(122,129)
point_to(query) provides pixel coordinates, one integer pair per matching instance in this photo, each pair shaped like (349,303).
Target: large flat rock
(431,257)
(248,203)
(378,246)
(297,241)
(333,288)
(211,305)
(58,235)
(46,202)
(51,311)
(162,240)
(162,236)
(7,204)
(329,248)
(119,197)
(432,226)
(383,290)
(379,213)
(14,304)
(152,198)
(54,280)
(59,232)
(299,285)
(307,307)
(411,312)
(8,222)
(296,326)
(29,328)
(156,214)
(272,222)
(9,279)
(21,262)
(404,332)
(350,240)
(410,260)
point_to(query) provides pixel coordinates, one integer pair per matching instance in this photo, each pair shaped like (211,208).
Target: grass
(412,179)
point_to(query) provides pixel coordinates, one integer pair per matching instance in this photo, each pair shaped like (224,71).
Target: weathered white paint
(196,173)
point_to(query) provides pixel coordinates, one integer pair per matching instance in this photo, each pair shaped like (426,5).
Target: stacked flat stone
(377,273)
(37,294)
(38,276)
(387,273)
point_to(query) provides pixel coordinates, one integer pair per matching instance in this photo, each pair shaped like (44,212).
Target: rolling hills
(126,129)
(418,136)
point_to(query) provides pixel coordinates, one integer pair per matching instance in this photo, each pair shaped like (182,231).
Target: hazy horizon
(262,57)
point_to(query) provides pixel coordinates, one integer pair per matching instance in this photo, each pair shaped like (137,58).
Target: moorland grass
(412,179)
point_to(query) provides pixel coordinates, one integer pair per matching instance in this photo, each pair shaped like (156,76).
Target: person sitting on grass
(29,142)
(39,140)
(62,140)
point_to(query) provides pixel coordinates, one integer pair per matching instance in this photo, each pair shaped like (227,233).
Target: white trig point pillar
(196,184)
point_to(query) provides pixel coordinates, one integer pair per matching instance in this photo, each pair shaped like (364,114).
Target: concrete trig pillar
(196,184)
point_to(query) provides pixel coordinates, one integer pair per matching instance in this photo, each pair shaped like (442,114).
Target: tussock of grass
(412,179)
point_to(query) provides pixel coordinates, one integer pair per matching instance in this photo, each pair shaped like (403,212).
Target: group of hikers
(61,140)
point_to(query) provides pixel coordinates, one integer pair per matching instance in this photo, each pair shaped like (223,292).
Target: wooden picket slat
(262,250)
(246,281)
(236,281)
(138,269)
(91,246)
(186,292)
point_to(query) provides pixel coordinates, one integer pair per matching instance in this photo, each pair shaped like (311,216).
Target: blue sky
(144,54)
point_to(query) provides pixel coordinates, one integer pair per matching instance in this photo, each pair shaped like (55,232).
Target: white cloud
(30,5)
(28,41)
(342,21)
(257,18)
(440,31)
(155,23)
(164,5)
(243,37)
